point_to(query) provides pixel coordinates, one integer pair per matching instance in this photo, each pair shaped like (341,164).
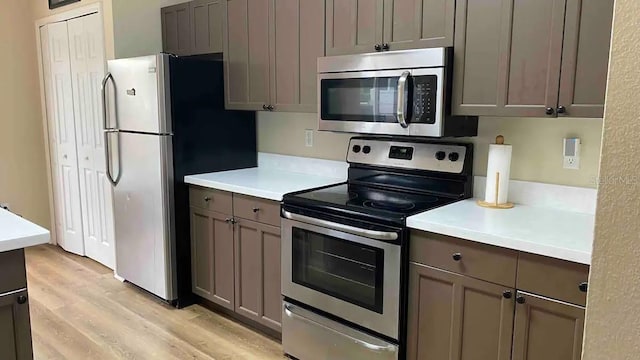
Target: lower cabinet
(460,317)
(546,329)
(212,256)
(452,316)
(258,293)
(235,262)
(15,328)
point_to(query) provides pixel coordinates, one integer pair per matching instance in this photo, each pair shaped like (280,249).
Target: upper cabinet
(176,29)
(271,49)
(192,28)
(353,26)
(531,57)
(362,26)
(206,26)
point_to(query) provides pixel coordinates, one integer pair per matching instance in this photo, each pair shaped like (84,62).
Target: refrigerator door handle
(104,100)
(107,154)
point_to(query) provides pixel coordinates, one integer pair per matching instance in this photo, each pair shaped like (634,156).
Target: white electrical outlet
(571,152)
(308,138)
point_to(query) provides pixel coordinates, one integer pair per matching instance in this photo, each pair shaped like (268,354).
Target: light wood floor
(79,311)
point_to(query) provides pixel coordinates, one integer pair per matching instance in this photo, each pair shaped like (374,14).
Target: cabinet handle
(457,257)
(22,299)
(507,294)
(228,220)
(549,111)
(583,286)
(385,47)
(233,221)
(377,47)
(561,110)
(264,107)
(207,199)
(270,107)
(521,300)
(255,209)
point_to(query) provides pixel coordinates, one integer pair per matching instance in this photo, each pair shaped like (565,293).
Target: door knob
(64,156)
(561,110)
(270,107)
(86,158)
(521,300)
(207,199)
(506,294)
(377,47)
(264,107)
(385,47)
(255,209)
(457,256)
(549,111)
(583,286)
(22,299)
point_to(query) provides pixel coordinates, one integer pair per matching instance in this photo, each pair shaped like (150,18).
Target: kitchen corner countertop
(17,233)
(539,230)
(261,182)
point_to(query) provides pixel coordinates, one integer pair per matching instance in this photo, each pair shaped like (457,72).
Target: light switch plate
(308,138)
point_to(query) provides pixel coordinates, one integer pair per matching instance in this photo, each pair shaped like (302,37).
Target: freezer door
(144,218)
(138,97)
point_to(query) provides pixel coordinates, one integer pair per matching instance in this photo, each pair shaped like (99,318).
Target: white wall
(136,26)
(612,329)
(537,144)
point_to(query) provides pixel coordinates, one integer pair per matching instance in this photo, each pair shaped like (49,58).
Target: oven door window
(373,99)
(343,269)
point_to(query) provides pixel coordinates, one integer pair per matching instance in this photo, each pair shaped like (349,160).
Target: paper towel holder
(495,205)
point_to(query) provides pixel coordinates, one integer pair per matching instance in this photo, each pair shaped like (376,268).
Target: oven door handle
(290,311)
(401,113)
(372,234)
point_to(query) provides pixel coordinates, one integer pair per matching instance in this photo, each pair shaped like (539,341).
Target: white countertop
(544,231)
(264,183)
(18,233)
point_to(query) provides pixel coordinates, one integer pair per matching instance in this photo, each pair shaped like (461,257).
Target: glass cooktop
(368,200)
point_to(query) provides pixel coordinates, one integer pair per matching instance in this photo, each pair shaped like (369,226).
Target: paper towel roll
(499,163)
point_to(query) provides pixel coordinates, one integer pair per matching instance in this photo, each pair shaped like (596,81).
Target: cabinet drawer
(256,209)
(557,279)
(464,257)
(14,274)
(210,199)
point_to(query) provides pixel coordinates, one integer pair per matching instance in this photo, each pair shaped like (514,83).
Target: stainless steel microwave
(390,93)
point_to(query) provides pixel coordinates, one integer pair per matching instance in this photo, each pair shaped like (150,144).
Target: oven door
(351,276)
(391,102)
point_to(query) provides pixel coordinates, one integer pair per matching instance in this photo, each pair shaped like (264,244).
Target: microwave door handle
(401,113)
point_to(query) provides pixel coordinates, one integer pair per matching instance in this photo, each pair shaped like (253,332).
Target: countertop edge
(497,240)
(25,242)
(234,188)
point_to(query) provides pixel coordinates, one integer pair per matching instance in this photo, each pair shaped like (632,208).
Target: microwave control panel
(425,89)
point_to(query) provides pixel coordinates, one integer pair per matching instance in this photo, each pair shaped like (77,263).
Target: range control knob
(366,149)
(454,156)
(440,155)
(356,148)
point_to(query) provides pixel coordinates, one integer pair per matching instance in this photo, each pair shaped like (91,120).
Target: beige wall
(613,319)
(23,181)
(537,144)
(137,28)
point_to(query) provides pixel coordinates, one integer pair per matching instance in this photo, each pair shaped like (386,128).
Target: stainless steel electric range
(345,247)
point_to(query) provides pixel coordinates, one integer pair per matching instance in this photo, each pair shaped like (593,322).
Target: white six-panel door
(87,71)
(62,137)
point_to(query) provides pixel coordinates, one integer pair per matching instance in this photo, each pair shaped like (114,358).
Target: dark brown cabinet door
(455,317)
(546,329)
(585,57)
(258,290)
(15,327)
(353,26)
(297,41)
(246,54)
(206,26)
(176,29)
(414,24)
(212,257)
(507,57)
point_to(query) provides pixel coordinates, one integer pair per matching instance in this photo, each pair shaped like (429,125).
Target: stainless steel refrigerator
(164,119)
